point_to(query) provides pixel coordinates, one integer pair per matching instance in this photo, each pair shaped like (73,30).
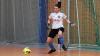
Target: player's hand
(48,26)
(72,25)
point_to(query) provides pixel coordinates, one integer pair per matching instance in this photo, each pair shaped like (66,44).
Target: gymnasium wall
(19,21)
(89,22)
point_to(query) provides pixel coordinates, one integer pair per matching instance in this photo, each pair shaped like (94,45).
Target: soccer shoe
(64,48)
(51,51)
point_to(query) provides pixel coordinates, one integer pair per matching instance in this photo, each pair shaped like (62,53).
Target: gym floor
(16,50)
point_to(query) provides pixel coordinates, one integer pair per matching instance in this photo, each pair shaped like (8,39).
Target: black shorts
(54,32)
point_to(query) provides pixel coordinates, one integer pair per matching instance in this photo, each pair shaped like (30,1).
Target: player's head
(57,7)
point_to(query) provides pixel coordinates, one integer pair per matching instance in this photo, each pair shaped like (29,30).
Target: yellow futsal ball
(26,50)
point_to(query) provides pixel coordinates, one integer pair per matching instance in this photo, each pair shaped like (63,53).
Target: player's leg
(50,38)
(50,43)
(61,38)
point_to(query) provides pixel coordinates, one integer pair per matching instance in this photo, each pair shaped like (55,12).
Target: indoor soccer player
(56,19)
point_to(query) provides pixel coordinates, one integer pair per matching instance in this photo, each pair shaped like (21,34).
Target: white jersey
(57,19)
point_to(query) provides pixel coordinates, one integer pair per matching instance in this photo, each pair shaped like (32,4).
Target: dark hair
(58,5)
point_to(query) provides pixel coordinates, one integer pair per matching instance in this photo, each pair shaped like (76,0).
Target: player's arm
(69,22)
(49,21)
